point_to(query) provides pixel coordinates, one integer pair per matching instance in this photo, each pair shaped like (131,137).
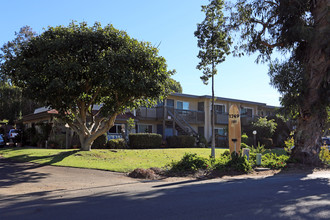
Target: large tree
(12,105)
(89,74)
(214,44)
(301,29)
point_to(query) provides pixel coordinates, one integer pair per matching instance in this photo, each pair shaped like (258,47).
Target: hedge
(117,144)
(181,141)
(145,140)
(100,142)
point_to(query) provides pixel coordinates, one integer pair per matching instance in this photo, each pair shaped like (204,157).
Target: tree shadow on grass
(54,158)
(295,196)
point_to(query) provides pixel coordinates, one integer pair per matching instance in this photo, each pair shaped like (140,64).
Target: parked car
(12,134)
(326,142)
(2,141)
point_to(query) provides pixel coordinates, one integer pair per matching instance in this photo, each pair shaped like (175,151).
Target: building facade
(184,114)
(179,114)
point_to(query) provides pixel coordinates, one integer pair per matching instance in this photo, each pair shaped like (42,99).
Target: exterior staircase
(183,127)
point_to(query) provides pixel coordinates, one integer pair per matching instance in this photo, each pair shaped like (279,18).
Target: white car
(12,133)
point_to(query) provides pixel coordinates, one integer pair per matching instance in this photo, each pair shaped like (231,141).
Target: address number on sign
(233,115)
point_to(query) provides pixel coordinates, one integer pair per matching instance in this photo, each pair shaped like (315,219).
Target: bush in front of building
(100,142)
(119,143)
(181,141)
(145,140)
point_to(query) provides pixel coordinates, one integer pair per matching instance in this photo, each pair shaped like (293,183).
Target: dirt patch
(158,173)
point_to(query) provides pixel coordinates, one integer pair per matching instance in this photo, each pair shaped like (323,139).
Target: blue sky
(168,24)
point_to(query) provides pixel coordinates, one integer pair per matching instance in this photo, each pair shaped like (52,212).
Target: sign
(234,129)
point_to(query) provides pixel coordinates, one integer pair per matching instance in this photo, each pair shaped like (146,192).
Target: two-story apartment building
(191,114)
(179,114)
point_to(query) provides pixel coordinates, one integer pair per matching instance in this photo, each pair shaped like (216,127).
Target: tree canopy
(89,74)
(301,29)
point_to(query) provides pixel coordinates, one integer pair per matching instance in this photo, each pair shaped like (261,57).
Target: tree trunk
(212,117)
(313,113)
(86,145)
(86,140)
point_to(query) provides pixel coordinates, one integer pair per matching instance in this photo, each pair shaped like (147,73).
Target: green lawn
(118,160)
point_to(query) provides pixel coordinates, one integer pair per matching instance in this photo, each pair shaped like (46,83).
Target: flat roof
(222,99)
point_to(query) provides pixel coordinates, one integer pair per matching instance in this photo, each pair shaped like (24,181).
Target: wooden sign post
(234,129)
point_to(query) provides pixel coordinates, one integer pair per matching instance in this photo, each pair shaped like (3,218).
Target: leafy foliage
(325,155)
(190,162)
(265,128)
(75,68)
(299,28)
(119,143)
(100,142)
(145,140)
(175,86)
(181,141)
(274,161)
(213,40)
(289,144)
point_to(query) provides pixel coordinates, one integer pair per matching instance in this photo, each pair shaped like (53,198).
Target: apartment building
(179,114)
(184,114)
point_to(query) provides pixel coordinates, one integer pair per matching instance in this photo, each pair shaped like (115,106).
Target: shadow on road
(292,196)
(13,172)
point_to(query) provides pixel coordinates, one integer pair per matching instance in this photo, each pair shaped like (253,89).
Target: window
(201,106)
(182,105)
(201,131)
(220,131)
(219,109)
(116,129)
(247,111)
(170,103)
(144,128)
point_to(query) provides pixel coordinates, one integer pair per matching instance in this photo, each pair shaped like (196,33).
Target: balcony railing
(222,118)
(193,117)
(190,116)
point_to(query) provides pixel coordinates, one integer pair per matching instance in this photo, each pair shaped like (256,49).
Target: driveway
(29,191)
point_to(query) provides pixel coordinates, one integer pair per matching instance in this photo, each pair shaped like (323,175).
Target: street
(30,191)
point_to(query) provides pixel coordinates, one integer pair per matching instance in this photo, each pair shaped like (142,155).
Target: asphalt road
(29,191)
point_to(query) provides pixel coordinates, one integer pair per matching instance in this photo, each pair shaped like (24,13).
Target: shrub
(325,155)
(100,142)
(190,162)
(117,144)
(181,141)
(265,128)
(202,142)
(273,161)
(145,140)
(268,142)
(225,153)
(244,138)
(220,164)
(239,163)
(259,149)
(289,143)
